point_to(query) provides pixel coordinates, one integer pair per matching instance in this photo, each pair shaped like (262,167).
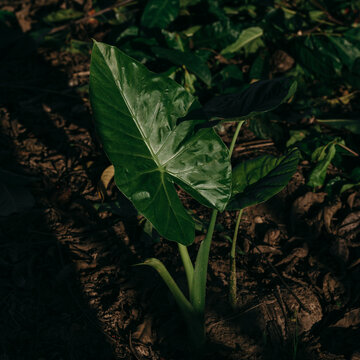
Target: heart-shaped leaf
(258,98)
(259,179)
(160,13)
(136,114)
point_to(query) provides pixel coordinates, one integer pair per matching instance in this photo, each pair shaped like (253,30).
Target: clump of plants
(156,134)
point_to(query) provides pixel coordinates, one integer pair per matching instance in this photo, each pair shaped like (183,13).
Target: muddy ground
(68,288)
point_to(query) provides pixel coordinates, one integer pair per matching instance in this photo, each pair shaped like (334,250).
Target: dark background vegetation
(67,286)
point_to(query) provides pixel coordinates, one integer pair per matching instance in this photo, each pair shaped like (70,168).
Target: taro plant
(255,181)
(156,135)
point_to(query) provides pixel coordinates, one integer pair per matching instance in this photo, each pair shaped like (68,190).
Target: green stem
(232,284)
(233,141)
(188,266)
(180,298)
(200,273)
(195,324)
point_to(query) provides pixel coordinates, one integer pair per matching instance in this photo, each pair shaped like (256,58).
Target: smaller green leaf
(318,174)
(159,13)
(257,180)
(296,136)
(192,62)
(259,97)
(246,36)
(352,125)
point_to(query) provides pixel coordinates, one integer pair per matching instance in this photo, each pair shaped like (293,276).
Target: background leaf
(192,62)
(259,179)
(159,13)
(136,113)
(259,97)
(246,37)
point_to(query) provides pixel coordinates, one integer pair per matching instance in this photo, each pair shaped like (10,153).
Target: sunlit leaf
(136,114)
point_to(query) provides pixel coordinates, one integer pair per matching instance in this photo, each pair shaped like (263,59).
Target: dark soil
(68,288)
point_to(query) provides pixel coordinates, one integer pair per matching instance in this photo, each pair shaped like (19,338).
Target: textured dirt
(68,289)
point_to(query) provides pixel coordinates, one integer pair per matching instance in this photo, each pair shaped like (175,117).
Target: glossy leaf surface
(259,97)
(136,114)
(159,13)
(259,179)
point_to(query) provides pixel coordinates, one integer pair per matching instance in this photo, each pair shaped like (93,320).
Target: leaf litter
(68,284)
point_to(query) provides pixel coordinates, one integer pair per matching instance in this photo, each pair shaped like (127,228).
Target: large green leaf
(259,179)
(193,63)
(246,36)
(136,114)
(159,13)
(258,98)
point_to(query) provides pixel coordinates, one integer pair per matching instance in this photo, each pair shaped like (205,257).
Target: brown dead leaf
(328,213)
(303,204)
(106,177)
(23,18)
(350,226)
(340,249)
(272,237)
(143,332)
(351,318)
(301,207)
(333,289)
(281,61)
(265,249)
(353,200)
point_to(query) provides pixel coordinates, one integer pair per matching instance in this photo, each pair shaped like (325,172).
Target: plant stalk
(200,273)
(188,266)
(232,282)
(236,134)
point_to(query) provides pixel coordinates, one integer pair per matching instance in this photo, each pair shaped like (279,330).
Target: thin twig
(329,16)
(87,17)
(348,149)
(247,146)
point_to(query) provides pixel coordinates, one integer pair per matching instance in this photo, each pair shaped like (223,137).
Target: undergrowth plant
(156,134)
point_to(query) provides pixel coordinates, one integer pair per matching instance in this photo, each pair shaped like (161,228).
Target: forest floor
(68,287)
